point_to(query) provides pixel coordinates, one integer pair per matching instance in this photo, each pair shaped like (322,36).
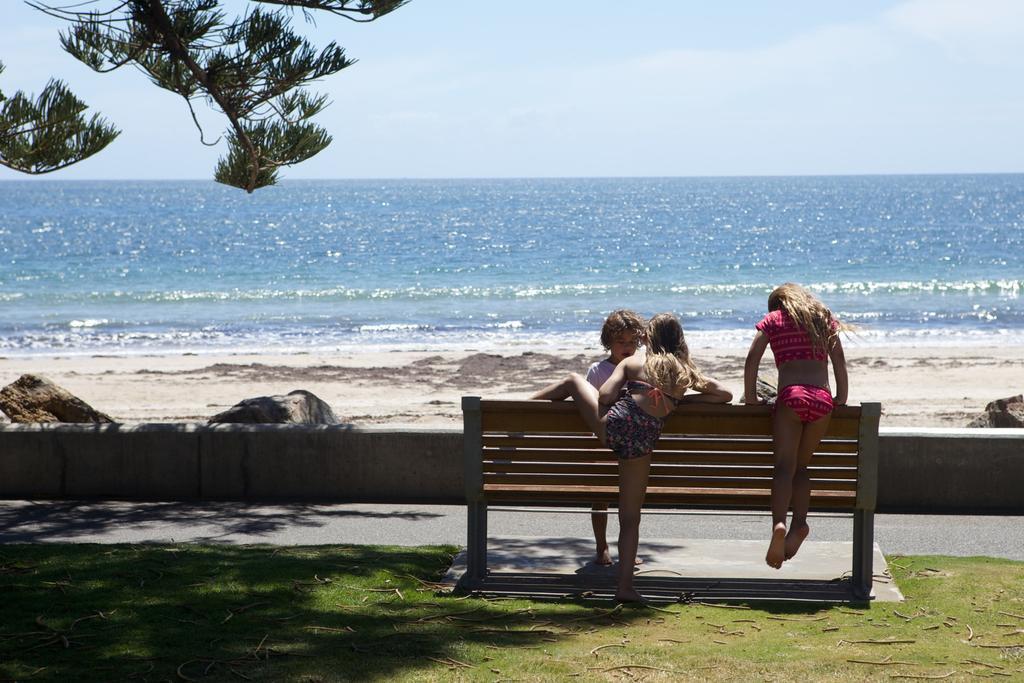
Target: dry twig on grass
(329,629)
(431,617)
(601,647)
(888,641)
(1004,646)
(453,663)
(888,661)
(661,609)
(979,663)
(495,617)
(920,613)
(924,676)
(635,666)
(238,610)
(600,615)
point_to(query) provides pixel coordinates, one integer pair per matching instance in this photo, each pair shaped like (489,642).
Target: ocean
(120,267)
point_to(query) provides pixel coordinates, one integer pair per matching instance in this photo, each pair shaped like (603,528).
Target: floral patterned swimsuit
(630,431)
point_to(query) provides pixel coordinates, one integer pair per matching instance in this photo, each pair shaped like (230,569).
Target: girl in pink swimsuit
(630,422)
(803,336)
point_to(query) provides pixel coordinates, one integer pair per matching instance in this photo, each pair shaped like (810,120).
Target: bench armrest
(867,456)
(472,448)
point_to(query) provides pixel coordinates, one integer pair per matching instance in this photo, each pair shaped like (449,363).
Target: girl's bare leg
(583,394)
(599,520)
(559,391)
(813,432)
(787,430)
(632,489)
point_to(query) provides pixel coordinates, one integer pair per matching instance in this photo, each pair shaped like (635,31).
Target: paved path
(306,524)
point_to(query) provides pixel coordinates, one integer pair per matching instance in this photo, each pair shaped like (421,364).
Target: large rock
(298,407)
(1004,412)
(766,391)
(36,399)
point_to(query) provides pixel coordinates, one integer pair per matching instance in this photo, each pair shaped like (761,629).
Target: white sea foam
(391,327)
(404,337)
(1003,287)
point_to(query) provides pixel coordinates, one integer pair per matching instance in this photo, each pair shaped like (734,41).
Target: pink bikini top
(788,340)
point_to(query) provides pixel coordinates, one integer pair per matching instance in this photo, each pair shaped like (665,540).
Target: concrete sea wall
(920,470)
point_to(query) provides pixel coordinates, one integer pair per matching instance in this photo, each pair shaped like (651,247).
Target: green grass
(356,613)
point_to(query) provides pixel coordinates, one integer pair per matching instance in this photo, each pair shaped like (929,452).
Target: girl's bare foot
(603,557)
(628,595)
(794,538)
(777,548)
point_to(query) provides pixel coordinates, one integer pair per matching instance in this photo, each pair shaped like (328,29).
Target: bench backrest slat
(660,456)
(554,495)
(661,469)
(668,442)
(573,480)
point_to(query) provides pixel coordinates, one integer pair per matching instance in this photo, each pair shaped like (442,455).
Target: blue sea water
(145,267)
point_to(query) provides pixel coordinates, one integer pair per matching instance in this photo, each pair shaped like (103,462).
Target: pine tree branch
(252,70)
(174,45)
(367,10)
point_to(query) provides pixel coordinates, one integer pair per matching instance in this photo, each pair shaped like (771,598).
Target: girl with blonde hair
(629,422)
(803,335)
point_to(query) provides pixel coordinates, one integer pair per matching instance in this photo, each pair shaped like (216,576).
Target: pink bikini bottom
(809,402)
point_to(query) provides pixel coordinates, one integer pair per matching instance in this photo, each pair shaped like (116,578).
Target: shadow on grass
(187,612)
(542,569)
(35,522)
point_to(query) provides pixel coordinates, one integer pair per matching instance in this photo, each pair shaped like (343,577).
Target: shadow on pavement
(42,521)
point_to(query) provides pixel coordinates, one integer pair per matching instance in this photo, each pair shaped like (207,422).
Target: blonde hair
(668,365)
(809,314)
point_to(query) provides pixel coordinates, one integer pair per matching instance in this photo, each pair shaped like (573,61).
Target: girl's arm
(839,368)
(712,391)
(609,392)
(750,367)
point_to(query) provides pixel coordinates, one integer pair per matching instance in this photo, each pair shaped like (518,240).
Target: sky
(595,88)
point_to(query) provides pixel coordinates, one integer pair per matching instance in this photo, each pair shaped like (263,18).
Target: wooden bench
(540,453)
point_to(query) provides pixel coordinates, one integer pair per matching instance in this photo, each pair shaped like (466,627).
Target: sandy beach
(926,386)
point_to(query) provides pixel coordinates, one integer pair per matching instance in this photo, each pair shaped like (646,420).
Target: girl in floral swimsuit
(630,422)
(803,336)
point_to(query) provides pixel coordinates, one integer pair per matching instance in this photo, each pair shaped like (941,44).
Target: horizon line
(32,179)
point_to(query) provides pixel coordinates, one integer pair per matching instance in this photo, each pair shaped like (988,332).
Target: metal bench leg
(476,545)
(863,553)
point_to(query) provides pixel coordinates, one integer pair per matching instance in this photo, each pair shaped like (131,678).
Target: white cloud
(987,31)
